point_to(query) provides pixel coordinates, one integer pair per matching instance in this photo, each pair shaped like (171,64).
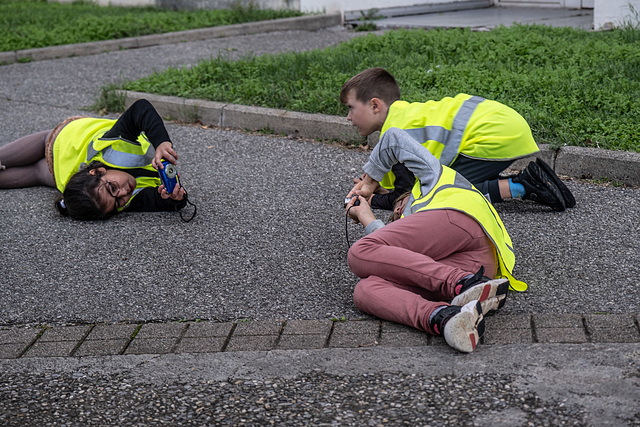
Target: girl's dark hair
(402,196)
(80,196)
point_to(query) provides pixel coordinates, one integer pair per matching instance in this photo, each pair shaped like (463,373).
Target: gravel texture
(313,399)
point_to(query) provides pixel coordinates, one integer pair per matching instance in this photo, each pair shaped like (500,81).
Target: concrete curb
(292,123)
(308,23)
(575,162)
(212,337)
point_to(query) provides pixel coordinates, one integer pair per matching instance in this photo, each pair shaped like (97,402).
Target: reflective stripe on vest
(459,182)
(120,158)
(451,139)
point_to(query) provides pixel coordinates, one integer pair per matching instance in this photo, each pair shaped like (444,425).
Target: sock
(517,189)
(458,288)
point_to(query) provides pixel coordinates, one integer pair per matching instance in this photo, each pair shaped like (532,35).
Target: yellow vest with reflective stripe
(80,142)
(469,125)
(454,192)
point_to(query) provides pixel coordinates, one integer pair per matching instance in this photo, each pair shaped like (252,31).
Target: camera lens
(170,170)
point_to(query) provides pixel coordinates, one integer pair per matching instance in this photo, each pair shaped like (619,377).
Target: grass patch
(574,87)
(26,24)
(109,99)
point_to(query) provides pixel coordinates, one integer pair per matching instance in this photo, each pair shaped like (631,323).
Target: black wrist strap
(195,208)
(346,226)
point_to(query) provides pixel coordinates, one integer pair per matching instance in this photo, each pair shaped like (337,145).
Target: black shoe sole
(569,200)
(546,185)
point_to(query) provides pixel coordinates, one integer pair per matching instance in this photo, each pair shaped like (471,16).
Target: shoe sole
(496,289)
(569,200)
(547,182)
(490,306)
(464,330)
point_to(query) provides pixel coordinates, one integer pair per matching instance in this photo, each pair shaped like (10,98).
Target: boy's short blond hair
(372,83)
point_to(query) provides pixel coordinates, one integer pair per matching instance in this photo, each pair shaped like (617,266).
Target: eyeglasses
(113,188)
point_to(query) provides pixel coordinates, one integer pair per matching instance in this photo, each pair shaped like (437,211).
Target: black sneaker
(569,200)
(462,327)
(492,293)
(539,187)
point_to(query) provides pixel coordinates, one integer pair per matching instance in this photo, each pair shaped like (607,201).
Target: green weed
(367,19)
(608,182)
(110,98)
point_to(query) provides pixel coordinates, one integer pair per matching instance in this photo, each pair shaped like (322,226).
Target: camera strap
(346,227)
(195,208)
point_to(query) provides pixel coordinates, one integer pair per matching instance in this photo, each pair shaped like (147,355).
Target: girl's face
(115,190)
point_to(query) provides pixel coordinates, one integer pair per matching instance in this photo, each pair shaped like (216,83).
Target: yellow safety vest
(469,125)
(80,142)
(454,192)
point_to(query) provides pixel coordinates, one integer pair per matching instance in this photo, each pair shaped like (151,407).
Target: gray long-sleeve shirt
(398,146)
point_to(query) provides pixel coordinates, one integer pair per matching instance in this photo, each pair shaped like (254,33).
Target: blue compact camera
(169,176)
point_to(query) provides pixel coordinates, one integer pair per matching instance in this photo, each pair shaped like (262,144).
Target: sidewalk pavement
(211,337)
(70,349)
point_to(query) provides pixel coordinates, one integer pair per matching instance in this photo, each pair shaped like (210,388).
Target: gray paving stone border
(23,341)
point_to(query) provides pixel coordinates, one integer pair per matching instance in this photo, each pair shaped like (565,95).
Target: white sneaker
(464,330)
(483,289)
(462,327)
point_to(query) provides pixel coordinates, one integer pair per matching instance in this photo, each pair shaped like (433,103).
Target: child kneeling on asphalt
(478,138)
(446,260)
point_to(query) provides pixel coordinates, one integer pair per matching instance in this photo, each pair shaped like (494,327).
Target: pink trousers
(410,267)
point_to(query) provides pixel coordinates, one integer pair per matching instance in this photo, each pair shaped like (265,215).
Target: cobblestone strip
(208,337)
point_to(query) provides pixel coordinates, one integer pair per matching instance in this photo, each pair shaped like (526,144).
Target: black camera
(348,199)
(169,176)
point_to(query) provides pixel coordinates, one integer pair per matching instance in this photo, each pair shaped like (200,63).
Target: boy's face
(367,117)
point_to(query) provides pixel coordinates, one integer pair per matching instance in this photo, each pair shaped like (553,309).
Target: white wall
(333,6)
(615,13)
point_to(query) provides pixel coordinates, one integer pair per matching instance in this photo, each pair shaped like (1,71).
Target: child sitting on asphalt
(445,263)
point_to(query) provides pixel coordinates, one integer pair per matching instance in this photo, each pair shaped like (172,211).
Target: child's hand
(365,187)
(164,151)
(358,185)
(361,213)
(177,194)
